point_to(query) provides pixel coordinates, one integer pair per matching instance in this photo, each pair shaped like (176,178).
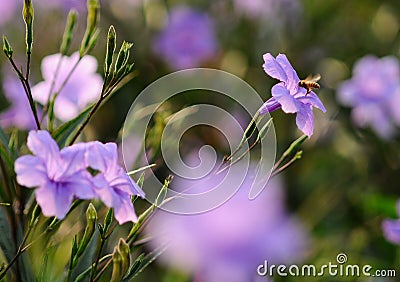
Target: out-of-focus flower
(8,10)
(269,9)
(187,39)
(288,95)
(62,175)
(391,228)
(19,114)
(79,5)
(58,175)
(229,242)
(82,88)
(374,94)
(113,186)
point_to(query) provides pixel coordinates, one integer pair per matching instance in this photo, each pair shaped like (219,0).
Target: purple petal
(292,77)
(42,144)
(312,99)
(125,212)
(74,159)
(372,114)
(81,185)
(273,68)
(103,190)
(54,199)
(282,95)
(99,156)
(31,171)
(49,66)
(269,106)
(391,230)
(305,119)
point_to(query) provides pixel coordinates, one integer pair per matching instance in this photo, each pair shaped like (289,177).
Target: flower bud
(7,47)
(68,32)
(28,14)
(91,218)
(117,273)
(111,39)
(124,250)
(91,24)
(123,56)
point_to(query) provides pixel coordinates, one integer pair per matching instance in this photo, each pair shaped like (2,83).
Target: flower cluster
(288,95)
(374,94)
(187,39)
(63,175)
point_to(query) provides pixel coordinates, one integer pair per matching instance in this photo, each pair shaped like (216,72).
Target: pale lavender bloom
(8,9)
(19,114)
(79,5)
(288,95)
(391,228)
(112,185)
(229,242)
(82,89)
(59,176)
(187,39)
(270,10)
(374,94)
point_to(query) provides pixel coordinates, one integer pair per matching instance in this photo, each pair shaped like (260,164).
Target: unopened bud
(68,32)
(111,40)
(28,15)
(7,47)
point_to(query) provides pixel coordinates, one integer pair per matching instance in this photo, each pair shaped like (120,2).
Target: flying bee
(310,82)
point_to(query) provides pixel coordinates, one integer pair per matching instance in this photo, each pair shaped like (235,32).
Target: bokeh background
(347,181)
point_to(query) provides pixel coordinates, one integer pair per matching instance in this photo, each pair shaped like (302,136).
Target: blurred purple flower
(8,10)
(19,114)
(229,242)
(391,228)
(79,5)
(288,95)
(113,186)
(59,175)
(187,39)
(83,87)
(374,94)
(271,10)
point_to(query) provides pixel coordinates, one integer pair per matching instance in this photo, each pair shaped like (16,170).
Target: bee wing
(316,77)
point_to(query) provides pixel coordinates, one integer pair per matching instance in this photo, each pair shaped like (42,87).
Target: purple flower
(58,175)
(374,94)
(288,95)
(7,10)
(79,5)
(113,186)
(83,87)
(391,228)
(187,40)
(271,10)
(229,242)
(19,114)
(61,176)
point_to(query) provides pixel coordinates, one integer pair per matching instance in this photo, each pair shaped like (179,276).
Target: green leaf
(65,131)
(5,238)
(142,262)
